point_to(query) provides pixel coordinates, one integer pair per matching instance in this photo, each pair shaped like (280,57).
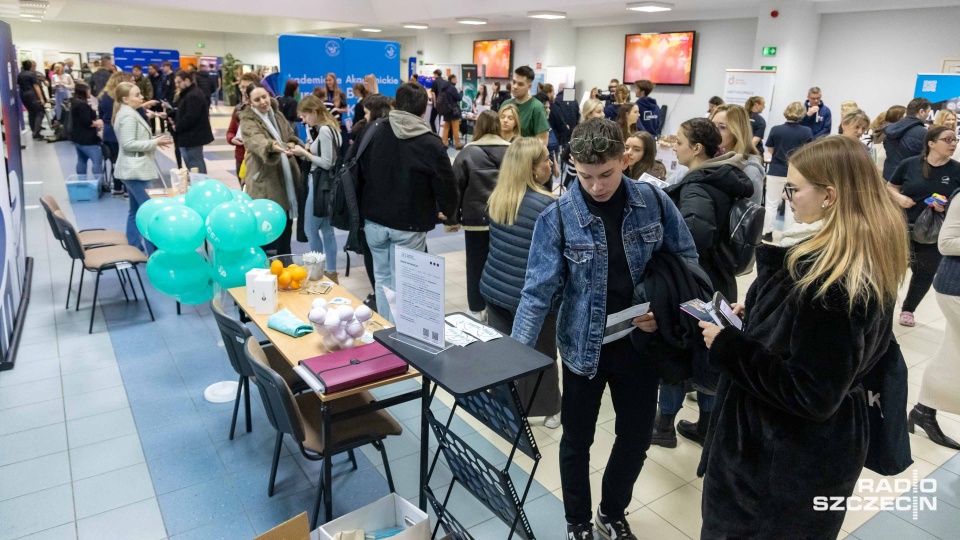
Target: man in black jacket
(191,122)
(905,138)
(100,77)
(404,177)
(206,82)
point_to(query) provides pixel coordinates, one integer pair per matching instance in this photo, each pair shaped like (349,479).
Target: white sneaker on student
(552,422)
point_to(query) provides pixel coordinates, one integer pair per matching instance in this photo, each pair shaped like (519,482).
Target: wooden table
(296,349)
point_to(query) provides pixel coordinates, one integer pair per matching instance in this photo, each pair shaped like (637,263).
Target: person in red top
(233,137)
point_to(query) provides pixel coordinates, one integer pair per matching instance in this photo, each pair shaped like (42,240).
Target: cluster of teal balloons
(234,224)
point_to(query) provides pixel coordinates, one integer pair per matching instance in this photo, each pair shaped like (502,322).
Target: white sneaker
(552,422)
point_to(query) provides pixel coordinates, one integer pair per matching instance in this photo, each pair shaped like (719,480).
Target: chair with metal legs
(100,260)
(235,335)
(300,417)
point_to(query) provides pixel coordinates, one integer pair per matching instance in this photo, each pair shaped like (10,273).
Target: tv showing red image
(661,58)
(496,54)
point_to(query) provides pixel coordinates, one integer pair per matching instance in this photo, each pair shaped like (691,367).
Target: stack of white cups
(339,326)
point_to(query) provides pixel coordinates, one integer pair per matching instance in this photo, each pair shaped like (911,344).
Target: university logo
(333,48)
(391,50)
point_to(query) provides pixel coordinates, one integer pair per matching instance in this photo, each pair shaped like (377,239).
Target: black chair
(101,260)
(301,417)
(235,335)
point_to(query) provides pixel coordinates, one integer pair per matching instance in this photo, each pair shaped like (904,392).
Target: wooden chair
(100,260)
(300,417)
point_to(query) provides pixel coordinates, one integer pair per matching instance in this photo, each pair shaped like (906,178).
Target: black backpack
(737,249)
(324,179)
(344,209)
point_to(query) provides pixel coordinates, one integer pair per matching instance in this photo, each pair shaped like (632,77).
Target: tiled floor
(108,435)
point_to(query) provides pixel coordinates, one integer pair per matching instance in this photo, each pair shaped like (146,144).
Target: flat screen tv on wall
(496,54)
(665,58)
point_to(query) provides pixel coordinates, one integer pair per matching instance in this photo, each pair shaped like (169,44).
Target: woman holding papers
(791,421)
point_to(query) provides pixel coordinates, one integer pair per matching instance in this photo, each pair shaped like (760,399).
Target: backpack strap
(367,136)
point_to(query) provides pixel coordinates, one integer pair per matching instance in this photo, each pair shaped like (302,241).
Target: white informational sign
(740,84)
(561,77)
(420,281)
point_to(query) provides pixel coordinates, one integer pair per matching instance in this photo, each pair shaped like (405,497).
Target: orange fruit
(299,274)
(295,285)
(284,279)
(276,267)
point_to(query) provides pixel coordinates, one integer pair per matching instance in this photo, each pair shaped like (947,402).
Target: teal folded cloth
(288,323)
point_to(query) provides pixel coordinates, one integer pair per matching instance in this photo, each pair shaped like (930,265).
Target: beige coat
(264,178)
(137,146)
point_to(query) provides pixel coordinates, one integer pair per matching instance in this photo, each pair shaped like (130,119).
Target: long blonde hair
(863,244)
(516,176)
(311,103)
(121,91)
(589,106)
(516,124)
(942,115)
(738,124)
(112,84)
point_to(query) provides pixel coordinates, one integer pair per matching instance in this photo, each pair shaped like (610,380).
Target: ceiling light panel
(650,7)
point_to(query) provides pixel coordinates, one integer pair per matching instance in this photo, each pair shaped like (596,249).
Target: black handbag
(322,183)
(885,385)
(926,229)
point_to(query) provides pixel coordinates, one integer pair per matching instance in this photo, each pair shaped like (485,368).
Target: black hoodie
(903,139)
(704,197)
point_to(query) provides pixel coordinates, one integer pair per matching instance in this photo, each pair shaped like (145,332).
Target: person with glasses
(592,248)
(533,117)
(704,197)
(790,421)
(783,141)
(914,181)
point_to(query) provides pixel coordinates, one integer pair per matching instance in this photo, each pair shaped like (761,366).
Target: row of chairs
(294,410)
(97,250)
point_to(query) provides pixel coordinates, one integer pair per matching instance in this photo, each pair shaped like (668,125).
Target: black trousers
(114,152)
(924,262)
(34,113)
(433,119)
(281,246)
(633,388)
(478,247)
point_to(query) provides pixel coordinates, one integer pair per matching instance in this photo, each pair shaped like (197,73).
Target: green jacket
(146,89)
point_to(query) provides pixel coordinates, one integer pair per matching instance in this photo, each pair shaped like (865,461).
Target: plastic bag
(926,229)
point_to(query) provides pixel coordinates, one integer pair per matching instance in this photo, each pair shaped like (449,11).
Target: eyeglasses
(595,144)
(789,191)
(722,127)
(948,140)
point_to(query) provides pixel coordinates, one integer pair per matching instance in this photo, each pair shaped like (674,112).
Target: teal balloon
(240,196)
(176,229)
(195,298)
(230,267)
(206,195)
(271,220)
(179,274)
(179,199)
(147,210)
(231,226)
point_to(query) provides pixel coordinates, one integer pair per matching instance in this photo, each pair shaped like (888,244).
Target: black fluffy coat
(790,420)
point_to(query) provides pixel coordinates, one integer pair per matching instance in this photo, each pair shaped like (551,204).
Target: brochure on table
(421,283)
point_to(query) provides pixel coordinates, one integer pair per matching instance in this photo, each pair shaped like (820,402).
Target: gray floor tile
(32,416)
(78,363)
(111,490)
(88,342)
(63,532)
(33,443)
(89,381)
(95,402)
(106,456)
(138,521)
(941,523)
(31,351)
(30,392)
(33,475)
(886,526)
(32,371)
(100,427)
(19,517)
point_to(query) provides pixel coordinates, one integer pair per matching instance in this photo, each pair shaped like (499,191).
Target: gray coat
(477,167)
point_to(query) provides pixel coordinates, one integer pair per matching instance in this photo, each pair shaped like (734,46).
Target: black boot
(664,433)
(695,431)
(926,418)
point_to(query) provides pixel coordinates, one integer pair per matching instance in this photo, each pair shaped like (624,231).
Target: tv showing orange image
(661,58)
(496,54)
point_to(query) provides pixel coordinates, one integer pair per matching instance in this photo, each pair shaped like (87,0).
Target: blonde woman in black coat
(790,420)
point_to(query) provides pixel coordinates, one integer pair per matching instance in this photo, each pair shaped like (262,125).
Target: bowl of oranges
(290,271)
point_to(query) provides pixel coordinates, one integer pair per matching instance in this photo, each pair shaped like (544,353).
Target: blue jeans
(89,152)
(317,228)
(193,158)
(671,399)
(383,241)
(137,190)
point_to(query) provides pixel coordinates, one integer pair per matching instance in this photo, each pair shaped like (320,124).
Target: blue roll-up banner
(127,57)
(942,89)
(308,59)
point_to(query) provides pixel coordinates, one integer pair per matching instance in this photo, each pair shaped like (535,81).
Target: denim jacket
(580,273)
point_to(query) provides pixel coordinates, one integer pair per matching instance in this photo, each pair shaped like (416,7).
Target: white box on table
(388,512)
(266,294)
(252,276)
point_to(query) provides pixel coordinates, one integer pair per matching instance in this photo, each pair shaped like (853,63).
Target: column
(552,43)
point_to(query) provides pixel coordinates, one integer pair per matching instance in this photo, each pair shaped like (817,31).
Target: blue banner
(365,56)
(127,57)
(937,87)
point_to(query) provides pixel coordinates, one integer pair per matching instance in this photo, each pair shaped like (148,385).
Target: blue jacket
(820,123)
(159,84)
(503,275)
(105,110)
(578,269)
(903,139)
(649,120)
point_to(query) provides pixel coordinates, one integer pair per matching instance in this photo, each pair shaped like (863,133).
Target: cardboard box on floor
(295,528)
(389,512)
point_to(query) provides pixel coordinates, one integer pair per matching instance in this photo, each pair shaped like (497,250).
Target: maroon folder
(357,366)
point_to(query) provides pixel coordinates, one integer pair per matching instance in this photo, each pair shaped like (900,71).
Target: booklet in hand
(718,312)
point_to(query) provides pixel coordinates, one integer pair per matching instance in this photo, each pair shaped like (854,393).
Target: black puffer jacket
(790,419)
(902,139)
(506,268)
(704,197)
(192,124)
(476,168)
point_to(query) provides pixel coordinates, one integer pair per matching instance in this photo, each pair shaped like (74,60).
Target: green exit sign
(202,45)
(769,51)
(768,68)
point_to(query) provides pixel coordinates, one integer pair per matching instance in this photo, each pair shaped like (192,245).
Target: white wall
(721,44)
(873,58)
(72,37)
(461,46)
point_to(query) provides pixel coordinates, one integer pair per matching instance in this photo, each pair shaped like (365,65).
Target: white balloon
(363,313)
(339,334)
(321,330)
(332,319)
(319,303)
(330,343)
(355,329)
(345,313)
(347,343)
(317,315)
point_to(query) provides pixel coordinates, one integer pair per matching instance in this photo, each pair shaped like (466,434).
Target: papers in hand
(706,312)
(650,179)
(621,323)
